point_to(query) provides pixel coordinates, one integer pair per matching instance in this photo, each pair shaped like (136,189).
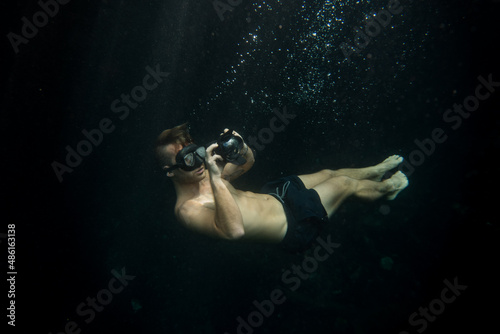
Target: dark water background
(115,210)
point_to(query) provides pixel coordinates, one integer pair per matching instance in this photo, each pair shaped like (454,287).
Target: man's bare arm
(232,172)
(228,218)
(199,218)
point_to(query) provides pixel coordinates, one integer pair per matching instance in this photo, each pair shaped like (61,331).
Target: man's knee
(344,184)
(328,172)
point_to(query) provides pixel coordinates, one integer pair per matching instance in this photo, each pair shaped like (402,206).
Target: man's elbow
(236,234)
(250,165)
(251,161)
(233,233)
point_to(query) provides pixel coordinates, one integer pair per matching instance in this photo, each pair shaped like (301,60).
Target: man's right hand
(211,160)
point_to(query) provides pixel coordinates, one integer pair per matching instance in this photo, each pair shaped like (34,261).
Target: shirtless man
(291,210)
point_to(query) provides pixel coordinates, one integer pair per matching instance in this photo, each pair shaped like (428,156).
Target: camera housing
(229,148)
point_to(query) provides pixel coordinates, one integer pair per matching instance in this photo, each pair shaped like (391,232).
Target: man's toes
(394,158)
(392,162)
(400,182)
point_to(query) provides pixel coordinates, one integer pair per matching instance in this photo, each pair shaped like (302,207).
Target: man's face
(179,174)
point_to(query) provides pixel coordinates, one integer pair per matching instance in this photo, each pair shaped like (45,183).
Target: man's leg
(374,173)
(334,191)
(368,173)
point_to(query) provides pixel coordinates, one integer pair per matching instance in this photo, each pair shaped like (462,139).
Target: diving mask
(189,158)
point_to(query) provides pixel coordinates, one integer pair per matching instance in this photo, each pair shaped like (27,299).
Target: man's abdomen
(264,218)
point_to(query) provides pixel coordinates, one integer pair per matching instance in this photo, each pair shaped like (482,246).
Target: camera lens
(231,145)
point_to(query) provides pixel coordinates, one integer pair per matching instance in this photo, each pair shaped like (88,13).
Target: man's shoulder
(193,209)
(184,207)
(196,216)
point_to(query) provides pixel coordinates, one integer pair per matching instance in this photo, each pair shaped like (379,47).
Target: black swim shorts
(305,214)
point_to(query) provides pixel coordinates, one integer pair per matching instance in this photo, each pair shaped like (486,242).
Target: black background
(115,210)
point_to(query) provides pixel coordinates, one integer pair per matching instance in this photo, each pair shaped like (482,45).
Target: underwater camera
(229,148)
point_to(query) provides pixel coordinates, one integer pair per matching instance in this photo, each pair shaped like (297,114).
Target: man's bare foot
(398,182)
(391,162)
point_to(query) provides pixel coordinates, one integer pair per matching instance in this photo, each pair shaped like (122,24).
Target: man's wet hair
(176,135)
